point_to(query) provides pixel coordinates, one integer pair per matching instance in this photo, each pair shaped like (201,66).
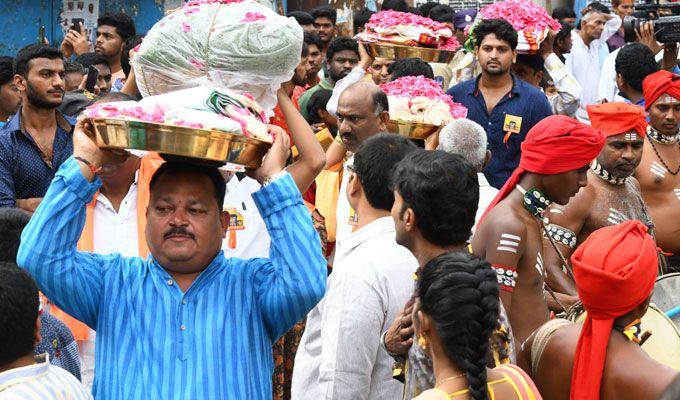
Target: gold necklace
(449,379)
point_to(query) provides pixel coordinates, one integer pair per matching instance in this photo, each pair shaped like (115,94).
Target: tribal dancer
(600,358)
(658,171)
(611,197)
(556,155)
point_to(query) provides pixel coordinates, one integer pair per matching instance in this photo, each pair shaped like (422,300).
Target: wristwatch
(274,177)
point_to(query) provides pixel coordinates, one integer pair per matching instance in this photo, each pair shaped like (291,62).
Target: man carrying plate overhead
(186,322)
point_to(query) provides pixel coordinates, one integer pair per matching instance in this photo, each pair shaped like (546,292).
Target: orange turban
(555,145)
(617,118)
(659,83)
(614,269)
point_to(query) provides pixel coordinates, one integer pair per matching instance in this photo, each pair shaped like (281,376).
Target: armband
(506,275)
(561,235)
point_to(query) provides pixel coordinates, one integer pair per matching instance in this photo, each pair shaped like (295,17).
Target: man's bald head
(362,113)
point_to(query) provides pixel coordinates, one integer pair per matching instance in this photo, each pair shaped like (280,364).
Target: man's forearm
(295,279)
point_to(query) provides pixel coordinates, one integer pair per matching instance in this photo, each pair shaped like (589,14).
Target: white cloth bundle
(242,46)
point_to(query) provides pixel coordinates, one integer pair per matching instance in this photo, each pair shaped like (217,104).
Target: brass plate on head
(181,141)
(412,130)
(395,52)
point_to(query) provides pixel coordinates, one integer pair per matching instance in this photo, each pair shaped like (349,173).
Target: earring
(422,342)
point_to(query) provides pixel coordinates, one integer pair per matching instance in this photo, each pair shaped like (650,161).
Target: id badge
(236,220)
(511,125)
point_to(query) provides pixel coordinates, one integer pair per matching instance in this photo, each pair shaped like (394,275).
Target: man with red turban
(659,169)
(611,197)
(600,358)
(556,155)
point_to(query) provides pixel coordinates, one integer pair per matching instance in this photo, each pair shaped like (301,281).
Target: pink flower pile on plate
(418,86)
(408,29)
(521,14)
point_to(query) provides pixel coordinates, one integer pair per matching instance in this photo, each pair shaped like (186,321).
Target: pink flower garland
(419,86)
(521,14)
(386,19)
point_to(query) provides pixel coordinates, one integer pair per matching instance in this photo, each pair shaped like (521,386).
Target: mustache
(178,230)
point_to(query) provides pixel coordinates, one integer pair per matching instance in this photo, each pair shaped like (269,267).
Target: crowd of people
(510,255)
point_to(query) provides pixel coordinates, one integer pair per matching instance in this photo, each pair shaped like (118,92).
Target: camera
(664,17)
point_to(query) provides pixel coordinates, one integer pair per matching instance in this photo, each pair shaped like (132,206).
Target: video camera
(665,17)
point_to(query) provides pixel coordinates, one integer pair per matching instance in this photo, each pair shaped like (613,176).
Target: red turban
(615,269)
(617,118)
(659,83)
(555,145)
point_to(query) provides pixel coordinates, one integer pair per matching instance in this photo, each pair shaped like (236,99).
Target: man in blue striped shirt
(187,323)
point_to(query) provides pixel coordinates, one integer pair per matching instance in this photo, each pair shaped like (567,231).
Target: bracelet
(88,164)
(270,179)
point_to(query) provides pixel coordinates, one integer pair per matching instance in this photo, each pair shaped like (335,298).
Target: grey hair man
(468,139)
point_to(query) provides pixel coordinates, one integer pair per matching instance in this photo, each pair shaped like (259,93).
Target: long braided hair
(459,292)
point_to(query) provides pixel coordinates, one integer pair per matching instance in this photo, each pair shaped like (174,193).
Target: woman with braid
(455,312)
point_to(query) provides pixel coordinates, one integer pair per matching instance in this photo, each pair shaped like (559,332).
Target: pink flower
(253,16)
(186,27)
(197,64)
(419,86)
(191,10)
(521,14)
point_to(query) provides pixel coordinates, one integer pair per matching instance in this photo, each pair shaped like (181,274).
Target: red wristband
(89,165)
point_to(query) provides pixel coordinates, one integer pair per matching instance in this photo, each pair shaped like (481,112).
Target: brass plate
(180,141)
(395,52)
(412,130)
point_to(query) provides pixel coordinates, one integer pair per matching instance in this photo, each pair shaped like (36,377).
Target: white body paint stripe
(657,169)
(509,236)
(508,243)
(508,249)
(556,211)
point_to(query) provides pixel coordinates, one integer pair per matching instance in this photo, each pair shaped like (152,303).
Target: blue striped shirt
(153,340)
(40,381)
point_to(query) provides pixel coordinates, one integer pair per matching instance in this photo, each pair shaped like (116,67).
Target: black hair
(442,189)
(130,44)
(341,43)
(500,28)
(325,12)
(361,17)
(533,61)
(424,9)
(459,292)
(374,162)
(72,66)
(410,67)
(635,62)
(91,59)
(302,17)
(125,26)
(6,70)
(19,306)
(380,102)
(560,13)
(317,101)
(313,39)
(598,7)
(442,13)
(12,223)
(305,50)
(564,32)
(395,5)
(174,167)
(30,52)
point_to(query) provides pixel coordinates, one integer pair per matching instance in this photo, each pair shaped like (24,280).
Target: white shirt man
(372,279)
(247,235)
(585,63)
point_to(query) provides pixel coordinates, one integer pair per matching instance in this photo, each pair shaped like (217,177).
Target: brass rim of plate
(395,52)
(188,142)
